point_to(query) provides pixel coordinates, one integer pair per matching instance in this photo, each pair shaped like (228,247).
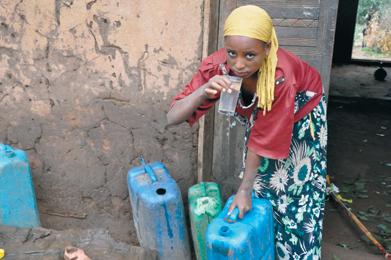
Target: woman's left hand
(242,201)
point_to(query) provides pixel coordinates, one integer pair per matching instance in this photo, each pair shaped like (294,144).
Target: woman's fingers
(231,208)
(243,209)
(211,92)
(241,212)
(220,83)
(223,80)
(242,203)
(217,86)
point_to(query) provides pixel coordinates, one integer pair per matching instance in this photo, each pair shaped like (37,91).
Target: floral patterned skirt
(296,187)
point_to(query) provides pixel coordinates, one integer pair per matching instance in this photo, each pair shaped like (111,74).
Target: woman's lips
(241,74)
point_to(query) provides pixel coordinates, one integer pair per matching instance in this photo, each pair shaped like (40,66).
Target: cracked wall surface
(84,89)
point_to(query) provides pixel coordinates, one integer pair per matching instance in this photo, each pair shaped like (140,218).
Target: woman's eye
(250,56)
(231,54)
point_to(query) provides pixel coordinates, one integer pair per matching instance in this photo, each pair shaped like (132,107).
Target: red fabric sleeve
(307,79)
(271,135)
(202,76)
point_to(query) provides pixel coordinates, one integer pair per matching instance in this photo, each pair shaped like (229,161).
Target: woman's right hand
(185,107)
(215,85)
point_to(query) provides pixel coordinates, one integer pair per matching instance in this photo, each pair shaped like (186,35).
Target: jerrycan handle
(234,215)
(7,150)
(203,188)
(148,169)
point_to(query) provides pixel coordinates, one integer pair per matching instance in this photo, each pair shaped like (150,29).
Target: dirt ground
(359,161)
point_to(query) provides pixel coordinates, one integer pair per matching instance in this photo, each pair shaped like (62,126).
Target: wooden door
(304,27)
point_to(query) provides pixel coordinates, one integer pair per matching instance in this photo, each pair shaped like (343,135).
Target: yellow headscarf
(254,22)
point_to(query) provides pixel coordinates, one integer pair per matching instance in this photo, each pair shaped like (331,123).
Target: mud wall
(84,88)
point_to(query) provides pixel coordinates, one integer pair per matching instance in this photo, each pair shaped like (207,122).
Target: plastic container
(249,238)
(18,205)
(204,205)
(158,212)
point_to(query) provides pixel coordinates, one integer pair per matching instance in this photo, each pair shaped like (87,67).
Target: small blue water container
(158,212)
(18,205)
(249,238)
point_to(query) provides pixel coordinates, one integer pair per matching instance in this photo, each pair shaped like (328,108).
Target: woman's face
(245,55)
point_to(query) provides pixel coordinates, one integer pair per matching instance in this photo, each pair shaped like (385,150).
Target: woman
(282,101)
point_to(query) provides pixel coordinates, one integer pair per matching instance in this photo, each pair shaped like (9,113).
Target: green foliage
(366,8)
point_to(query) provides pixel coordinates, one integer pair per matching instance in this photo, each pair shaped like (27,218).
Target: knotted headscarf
(254,22)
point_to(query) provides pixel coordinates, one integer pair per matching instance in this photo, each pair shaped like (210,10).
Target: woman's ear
(267,48)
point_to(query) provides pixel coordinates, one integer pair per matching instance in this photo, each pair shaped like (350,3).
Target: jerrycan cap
(225,231)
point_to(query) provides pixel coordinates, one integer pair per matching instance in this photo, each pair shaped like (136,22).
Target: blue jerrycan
(18,206)
(252,237)
(158,212)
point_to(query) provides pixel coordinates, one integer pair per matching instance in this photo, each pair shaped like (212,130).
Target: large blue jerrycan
(158,212)
(18,206)
(252,237)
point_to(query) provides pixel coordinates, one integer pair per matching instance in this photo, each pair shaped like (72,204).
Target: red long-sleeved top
(271,134)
